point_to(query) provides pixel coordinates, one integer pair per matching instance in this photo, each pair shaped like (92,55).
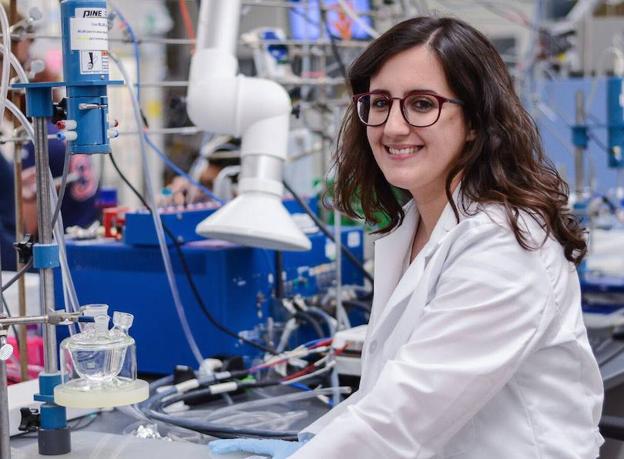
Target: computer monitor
(305,20)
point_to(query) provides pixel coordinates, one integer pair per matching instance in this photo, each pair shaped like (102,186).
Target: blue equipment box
(139,227)
(235,283)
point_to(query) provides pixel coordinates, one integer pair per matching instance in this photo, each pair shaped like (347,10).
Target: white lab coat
(477,350)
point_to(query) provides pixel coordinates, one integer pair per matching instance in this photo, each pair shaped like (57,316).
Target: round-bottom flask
(98,365)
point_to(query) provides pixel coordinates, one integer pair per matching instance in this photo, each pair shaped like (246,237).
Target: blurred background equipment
(192,197)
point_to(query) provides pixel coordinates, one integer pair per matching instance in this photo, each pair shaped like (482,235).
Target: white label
(353,239)
(330,250)
(89,30)
(91,13)
(93,62)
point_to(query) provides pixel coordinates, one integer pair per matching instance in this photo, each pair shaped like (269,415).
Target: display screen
(305,20)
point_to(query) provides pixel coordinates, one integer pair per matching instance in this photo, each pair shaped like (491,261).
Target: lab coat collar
(392,286)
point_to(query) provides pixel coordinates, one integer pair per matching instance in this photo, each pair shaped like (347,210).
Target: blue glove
(277,449)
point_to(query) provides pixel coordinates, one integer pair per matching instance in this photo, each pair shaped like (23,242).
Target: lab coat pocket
(462,442)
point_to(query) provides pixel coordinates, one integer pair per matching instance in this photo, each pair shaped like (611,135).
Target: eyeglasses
(419,109)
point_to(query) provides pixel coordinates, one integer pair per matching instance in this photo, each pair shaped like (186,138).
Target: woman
(476,346)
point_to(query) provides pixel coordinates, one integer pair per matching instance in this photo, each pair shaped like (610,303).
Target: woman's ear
(471,135)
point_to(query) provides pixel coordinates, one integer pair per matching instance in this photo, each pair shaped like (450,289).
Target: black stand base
(54,442)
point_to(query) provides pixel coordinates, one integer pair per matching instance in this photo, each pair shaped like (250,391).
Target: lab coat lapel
(390,252)
(410,281)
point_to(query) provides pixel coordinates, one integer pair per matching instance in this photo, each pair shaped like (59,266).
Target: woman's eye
(380,103)
(421,104)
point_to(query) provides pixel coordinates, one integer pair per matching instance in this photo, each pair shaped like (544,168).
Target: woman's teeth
(404,150)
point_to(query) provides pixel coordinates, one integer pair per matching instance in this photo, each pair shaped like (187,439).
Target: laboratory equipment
(85,68)
(98,365)
(258,111)
(235,283)
(306,21)
(50,422)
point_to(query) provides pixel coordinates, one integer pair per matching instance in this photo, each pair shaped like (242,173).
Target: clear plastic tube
(263,419)
(6,63)
(216,415)
(21,73)
(21,118)
(69,291)
(164,250)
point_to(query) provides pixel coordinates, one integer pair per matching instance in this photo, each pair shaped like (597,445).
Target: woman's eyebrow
(410,91)
(423,90)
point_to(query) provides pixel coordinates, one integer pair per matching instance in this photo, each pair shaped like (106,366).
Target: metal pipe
(139,40)
(21,282)
(19,218)
(26,320)
(44,220)
(5,433)
(579,152)
(55,318)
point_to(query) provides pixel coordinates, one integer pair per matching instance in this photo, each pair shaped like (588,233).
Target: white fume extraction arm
(258,111)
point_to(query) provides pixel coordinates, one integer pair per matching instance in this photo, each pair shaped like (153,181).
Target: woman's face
(413,158)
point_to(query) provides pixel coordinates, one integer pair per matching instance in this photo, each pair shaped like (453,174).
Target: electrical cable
(165,158)
(61,194)
(150,198)
(352,258)
(135,46)
(186,19)
(69,291)
(187,270)
(17,275)
(357,19)
(181,172)
(312,321)
(333,46)
(358,304)
(154,408)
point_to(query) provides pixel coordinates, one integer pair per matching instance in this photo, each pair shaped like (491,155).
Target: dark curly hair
(504,164)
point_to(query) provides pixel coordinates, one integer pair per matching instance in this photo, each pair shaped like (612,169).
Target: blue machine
(615,121)
(235,283)
(85,67)
(604,126)
(602,139)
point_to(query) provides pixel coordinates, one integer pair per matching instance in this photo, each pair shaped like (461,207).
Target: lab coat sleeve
(492,303)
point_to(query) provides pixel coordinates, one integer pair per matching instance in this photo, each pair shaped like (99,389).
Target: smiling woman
(502,160)
(476,347)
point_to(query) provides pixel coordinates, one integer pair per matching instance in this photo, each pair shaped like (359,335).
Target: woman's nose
(396,124)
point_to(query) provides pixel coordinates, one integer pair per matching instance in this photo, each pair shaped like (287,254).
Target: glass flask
(98,365)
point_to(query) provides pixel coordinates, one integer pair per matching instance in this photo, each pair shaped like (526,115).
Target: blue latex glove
(277,449)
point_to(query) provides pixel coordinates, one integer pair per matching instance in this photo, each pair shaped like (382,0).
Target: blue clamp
(45,256)
(579,136)
(38,98)
(52,416)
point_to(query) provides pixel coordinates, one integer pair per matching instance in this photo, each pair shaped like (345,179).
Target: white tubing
(214,415)
(149,197)
(69,291)
(6,63)
(21,73)
(21,118)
